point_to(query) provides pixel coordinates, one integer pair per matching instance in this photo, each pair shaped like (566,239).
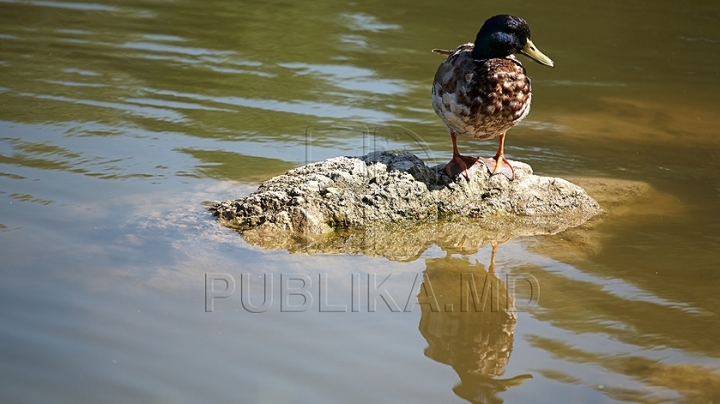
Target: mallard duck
(481,90)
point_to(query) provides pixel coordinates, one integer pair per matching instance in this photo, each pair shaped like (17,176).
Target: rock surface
(383,193)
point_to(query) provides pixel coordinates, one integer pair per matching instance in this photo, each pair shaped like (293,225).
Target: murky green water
(119,119)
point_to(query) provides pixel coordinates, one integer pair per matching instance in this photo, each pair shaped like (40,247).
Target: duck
(481,90)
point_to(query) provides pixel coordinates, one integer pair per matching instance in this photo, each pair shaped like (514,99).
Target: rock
(389,191)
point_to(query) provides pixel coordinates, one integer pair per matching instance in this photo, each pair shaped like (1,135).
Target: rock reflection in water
(407,242)
(470,329)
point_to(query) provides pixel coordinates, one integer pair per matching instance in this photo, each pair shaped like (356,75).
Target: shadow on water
(476,339)
(469,311)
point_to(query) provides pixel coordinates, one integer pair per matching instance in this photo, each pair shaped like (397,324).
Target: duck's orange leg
(499,164)
(459,163)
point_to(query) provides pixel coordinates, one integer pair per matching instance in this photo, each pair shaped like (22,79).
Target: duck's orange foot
(499,165)
(464,165)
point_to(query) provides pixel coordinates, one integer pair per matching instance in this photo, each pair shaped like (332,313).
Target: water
(120,120)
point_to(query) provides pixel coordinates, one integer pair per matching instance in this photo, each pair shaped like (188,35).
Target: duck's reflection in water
(468,319)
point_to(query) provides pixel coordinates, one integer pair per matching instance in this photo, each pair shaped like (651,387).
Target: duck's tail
(442,51)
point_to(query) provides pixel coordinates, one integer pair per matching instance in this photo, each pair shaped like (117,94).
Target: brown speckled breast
(480,99)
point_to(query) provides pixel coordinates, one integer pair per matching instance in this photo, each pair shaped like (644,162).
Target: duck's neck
(496,45)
